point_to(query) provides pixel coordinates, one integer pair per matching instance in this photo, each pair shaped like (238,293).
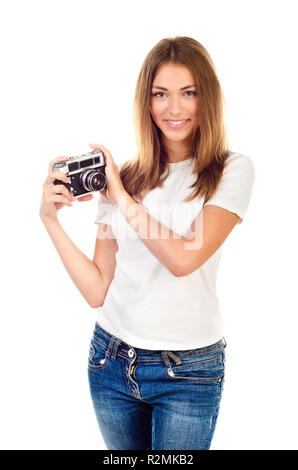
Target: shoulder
(239,160)
(239,165)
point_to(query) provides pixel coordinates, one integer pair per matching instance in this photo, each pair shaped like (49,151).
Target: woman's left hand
(114,187)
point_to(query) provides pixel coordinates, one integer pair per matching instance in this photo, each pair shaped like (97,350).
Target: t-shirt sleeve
(105,210)
(235,188)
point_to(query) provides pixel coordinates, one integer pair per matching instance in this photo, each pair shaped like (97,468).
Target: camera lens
(92,180)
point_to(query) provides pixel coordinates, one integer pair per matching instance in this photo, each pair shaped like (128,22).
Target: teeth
(176,123)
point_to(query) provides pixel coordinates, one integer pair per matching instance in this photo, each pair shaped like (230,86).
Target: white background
(69,70)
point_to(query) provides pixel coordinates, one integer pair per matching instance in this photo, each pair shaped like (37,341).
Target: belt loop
(116,344)
(166,359)
(224,341)
(113,347)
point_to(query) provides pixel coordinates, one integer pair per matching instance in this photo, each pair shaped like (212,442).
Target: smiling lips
(177,124)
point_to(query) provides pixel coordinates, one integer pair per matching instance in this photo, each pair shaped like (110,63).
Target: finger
(94,145)
(104,149)
(101,147)
(59,198)
(104,193)
(60,189)
(108,155)
(56,175)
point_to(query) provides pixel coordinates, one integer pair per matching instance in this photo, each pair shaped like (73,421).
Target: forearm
(173,251)
(83,272)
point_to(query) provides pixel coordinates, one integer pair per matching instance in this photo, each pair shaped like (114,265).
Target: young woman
(157,354)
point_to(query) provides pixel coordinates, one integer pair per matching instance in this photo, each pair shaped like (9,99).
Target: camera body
(86,172)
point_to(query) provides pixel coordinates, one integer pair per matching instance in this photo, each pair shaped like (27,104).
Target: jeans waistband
(115,344)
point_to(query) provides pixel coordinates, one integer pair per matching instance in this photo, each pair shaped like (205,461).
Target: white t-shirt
(148,307)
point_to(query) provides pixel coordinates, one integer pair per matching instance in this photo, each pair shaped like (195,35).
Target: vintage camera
(87,172)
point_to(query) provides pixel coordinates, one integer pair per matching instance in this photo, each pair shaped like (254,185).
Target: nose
(174,106)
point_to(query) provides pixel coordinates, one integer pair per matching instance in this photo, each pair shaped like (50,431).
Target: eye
(158,93)
(194,93)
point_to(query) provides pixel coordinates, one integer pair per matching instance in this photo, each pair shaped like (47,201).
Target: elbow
(99,301)
(183,270)
(95,304)
(179,271)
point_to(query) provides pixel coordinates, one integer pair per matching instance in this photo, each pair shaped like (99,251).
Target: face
(174,103)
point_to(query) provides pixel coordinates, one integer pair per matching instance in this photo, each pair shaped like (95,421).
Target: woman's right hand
(52,201)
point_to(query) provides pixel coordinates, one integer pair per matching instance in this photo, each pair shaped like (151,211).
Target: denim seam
(216,380)
(90,361)
(181,354)
(97,367)
(153,360)
(199,353)
(91,351)
(101,343)
(182,366)
(140,359)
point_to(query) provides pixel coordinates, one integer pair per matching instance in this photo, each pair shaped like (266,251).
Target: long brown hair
(209,141)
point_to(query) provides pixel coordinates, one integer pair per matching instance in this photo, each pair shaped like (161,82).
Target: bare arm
(85,274)
(179,254)
(105,250)
(92,278)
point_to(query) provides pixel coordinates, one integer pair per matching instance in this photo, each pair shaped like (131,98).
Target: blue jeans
(147,399)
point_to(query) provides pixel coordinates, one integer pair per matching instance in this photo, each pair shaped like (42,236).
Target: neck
(177,151)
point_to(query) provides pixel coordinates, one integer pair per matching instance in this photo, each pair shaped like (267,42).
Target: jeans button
(130,353)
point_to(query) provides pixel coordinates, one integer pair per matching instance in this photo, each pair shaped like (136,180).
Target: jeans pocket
(97,358)
(208,369)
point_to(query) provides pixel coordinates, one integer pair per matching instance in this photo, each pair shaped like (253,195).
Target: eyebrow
(183,88)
